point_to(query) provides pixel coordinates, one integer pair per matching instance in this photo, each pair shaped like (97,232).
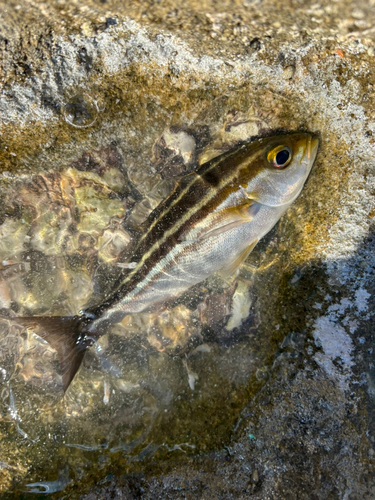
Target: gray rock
(283,403)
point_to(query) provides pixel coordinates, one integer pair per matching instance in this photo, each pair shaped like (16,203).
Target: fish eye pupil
(282,157)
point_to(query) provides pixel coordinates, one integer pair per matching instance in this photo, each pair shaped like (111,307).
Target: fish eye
(280,157)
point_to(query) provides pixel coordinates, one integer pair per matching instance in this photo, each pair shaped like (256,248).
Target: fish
(209,224)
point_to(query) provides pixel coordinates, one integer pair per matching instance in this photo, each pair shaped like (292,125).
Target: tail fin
(64,333)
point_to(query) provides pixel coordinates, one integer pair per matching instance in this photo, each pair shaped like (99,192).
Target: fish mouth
(309,147)
(312,148)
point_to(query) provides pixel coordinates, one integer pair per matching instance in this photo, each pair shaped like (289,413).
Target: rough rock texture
(115,99)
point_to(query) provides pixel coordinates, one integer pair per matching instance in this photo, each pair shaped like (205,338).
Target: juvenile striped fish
(210,223)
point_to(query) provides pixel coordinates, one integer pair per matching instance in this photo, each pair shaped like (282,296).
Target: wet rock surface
(257,387)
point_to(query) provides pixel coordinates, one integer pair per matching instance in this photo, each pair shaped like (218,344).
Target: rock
(99,113)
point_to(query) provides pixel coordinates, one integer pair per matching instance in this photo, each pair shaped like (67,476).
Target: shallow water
(168,382)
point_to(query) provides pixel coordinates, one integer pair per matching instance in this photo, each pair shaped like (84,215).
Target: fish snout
(312,148)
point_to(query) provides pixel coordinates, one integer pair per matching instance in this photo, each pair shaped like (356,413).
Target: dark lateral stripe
(190,191)
(187,188)
(187,205)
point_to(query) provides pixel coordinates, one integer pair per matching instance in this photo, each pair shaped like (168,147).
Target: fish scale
(210,223)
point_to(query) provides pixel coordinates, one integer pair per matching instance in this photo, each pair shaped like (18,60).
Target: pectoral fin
(219,222)
(233,266)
